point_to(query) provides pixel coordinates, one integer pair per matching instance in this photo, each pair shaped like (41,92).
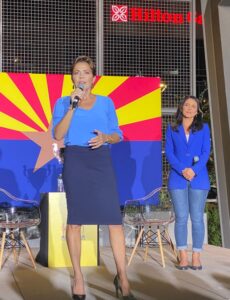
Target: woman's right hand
(78,93)
(188,173)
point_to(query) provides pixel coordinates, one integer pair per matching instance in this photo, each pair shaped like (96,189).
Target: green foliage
(164,197)
(214,232)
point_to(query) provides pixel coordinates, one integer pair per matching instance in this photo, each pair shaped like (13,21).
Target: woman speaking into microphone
(88,124)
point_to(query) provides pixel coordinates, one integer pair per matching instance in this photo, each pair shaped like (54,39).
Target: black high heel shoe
(117,285)
(182,267)
(78,297)
(196,267)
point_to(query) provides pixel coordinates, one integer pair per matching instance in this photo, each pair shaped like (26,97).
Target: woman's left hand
(98,140)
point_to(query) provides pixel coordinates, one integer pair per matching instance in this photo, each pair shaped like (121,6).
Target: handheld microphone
(77,98)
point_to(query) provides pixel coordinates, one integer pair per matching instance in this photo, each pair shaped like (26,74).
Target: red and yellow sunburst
(27,101)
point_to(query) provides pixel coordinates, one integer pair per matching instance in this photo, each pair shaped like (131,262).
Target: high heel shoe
(196,267)
(117,285)
(181,268)
(78,297)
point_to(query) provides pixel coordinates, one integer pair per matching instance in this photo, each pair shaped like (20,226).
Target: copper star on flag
(45,141)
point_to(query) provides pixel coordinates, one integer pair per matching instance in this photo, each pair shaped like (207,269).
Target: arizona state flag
(27,164)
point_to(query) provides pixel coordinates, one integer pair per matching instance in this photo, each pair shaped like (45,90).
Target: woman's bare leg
(73,237)
(196,259)
(183,255)
(117,240)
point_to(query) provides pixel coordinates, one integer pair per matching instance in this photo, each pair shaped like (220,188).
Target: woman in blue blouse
(187,150)
(88,124)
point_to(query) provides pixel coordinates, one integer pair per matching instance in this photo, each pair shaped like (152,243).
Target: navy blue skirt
(90,186)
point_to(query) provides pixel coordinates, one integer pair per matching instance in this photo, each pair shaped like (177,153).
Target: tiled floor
(148,279)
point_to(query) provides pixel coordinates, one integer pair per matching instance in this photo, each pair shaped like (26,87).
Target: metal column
(217,43)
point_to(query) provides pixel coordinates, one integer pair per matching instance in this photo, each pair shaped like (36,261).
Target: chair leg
(147,244)
(136,244)
(13,246)
(160,246)
(2,247)
(28,249)
(171,245)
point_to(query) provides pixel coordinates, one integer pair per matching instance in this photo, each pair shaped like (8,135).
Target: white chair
(151,214)
(16,215)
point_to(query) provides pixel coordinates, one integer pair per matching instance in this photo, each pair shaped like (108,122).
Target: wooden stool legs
(2,247)
(28,248)
(149,238)
(160,246)
(14,243)
(136,244)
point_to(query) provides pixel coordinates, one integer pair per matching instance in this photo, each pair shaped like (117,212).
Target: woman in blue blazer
(187,150)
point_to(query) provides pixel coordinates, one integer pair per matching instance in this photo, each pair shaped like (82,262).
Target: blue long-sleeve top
(102,116)
(181,154)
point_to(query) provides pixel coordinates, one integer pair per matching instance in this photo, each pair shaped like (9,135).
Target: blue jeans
(185,202)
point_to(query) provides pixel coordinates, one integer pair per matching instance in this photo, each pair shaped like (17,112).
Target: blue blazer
(180,154)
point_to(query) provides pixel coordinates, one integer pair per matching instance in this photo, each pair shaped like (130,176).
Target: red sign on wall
(123,13)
